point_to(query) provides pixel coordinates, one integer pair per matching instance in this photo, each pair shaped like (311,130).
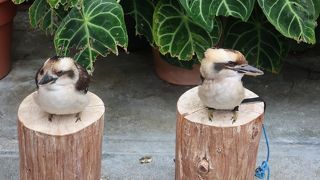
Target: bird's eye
(59,73)
(41,72)
(231,63)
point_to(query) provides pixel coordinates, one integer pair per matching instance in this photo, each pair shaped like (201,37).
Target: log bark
(63,148)
(216,149)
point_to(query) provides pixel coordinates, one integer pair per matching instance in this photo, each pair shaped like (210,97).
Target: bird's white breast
(223,94)
(56,99)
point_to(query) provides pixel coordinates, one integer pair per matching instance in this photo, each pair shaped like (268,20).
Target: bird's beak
(47,79)
(247,70)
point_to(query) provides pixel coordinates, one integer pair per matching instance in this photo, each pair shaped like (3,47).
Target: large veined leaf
(316,4)
(175,33)
(65,3)
(18,1)
(293,18)
(43,16)
(204,11)
(142,12)
(96,28)
(258,41)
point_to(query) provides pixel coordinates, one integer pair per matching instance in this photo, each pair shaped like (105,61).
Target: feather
(82,84)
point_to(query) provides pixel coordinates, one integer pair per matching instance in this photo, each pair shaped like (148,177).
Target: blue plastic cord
(260,171)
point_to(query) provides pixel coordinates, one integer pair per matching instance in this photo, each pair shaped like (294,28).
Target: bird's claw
(210,114)
(50,117)
(233,119)
(235,114)
(78,117)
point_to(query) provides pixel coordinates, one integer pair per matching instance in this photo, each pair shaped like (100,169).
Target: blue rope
(260,171)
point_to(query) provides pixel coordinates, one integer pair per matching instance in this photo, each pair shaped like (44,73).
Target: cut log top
(31,116)
(190,106)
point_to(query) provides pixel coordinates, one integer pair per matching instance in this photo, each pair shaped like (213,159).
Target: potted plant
(81,29)
(260,29)
(7,12)
(167,65)
(181,29)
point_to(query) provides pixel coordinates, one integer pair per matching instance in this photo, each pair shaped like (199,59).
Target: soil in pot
(7,12)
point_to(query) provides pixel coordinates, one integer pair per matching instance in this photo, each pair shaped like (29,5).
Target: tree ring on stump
(190,105)
(33,117)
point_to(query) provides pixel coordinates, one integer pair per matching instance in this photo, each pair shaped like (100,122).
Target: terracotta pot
(174,74)
(7,12)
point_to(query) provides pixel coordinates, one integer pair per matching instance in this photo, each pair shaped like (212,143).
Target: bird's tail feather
(255,99)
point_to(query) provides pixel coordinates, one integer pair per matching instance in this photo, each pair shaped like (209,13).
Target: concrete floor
(140,113)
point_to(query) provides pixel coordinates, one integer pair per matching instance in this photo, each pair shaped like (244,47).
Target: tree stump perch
(63,148)
(216,149)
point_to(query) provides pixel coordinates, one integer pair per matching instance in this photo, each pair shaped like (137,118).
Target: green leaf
(95,28)
(66,3)
(142,12)
(70,3)
(175,33)
(204,11)
(54,3)
(316,4)
(301,47)
(18,1)
(292,18)
(258,41)
(43,16)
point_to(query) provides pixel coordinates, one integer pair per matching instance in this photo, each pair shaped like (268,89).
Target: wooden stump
(63,148)
(217,149)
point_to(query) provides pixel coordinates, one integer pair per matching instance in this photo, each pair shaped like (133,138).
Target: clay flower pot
(7,12)
(174,74)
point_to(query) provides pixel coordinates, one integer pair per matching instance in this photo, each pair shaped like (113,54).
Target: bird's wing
(36,77)
(202,78)
(84,79)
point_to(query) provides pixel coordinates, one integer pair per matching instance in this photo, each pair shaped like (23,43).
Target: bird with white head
(62,86)
(222,88)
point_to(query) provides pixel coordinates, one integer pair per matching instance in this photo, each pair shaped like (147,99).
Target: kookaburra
(222,71)
(62,86)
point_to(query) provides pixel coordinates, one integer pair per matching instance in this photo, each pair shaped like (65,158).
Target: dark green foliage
(182,29)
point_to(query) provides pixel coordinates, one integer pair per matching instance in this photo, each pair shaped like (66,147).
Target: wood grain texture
(63,148)
(217,149)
